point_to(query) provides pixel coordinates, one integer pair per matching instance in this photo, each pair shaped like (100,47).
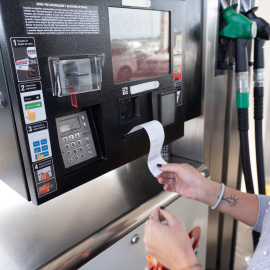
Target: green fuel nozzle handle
(237,25)
(241,29)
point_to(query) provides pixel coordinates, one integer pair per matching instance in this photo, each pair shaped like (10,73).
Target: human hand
(170,245)
(183,179)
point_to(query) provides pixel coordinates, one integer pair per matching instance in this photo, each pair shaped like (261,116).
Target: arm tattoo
(231,200)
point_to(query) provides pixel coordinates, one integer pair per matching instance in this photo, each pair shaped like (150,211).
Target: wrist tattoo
(231,200)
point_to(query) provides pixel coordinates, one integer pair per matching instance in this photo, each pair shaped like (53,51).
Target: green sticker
(33,105)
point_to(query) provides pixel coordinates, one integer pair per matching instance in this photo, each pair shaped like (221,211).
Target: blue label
(45,154)
(44,141)
(36,143)
(37,150)
(44,148)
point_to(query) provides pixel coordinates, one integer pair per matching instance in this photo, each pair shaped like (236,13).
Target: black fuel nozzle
(263,27)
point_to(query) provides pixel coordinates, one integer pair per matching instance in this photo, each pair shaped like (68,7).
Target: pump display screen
(139,43)
(69,125)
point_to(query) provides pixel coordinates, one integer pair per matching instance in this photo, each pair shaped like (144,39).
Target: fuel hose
(258,110)
(242,100)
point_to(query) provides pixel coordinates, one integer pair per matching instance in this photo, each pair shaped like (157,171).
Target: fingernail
(159,165)
(162,207)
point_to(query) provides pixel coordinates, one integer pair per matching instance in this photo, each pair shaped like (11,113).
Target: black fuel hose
(243,127)
(259,53)
(258,114)
(241,67)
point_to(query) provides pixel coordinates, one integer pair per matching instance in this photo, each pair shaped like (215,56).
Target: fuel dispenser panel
(70,68)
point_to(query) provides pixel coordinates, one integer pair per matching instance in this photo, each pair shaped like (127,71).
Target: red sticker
(44,189)
(195,233)
(73,97)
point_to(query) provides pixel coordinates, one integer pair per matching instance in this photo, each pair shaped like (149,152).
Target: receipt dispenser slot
(76,75)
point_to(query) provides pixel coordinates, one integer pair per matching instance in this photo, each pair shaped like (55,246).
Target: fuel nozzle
(237,25)
(263,27)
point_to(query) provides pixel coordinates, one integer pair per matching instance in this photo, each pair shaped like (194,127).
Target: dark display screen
(69,125)
(139,43)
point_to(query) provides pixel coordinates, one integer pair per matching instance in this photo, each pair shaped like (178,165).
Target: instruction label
(33,108)
(178,40)
(25,59)
(45,177)
(39,141)
(178,62)
(42,18)
(32,102)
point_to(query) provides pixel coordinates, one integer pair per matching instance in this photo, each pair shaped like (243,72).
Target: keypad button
(77,135)
(80,149)
(84,124)
(70,160)
(88,146)
(65,139)
(68,153)
(90,152)
(67,146)
(87,140)
(82,117)
(75,151)
(79,142)
(84,134)
(73,144)
(82,155)
(76,158)
(71,137)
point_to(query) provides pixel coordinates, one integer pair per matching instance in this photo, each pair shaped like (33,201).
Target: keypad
(76,145)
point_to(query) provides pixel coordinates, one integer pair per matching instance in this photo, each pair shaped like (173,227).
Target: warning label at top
(60,19)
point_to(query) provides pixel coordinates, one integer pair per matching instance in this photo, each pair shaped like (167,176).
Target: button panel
(76,142)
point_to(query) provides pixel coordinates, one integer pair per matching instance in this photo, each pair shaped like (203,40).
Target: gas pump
(263,34)
(77,77)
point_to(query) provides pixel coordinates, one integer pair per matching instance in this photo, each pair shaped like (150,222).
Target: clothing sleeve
(261,256)
(263,206)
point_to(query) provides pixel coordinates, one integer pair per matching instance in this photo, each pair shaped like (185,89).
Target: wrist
(210,192)
(189,260)
(195,266)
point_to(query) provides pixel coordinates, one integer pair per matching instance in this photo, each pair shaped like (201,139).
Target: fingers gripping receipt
(156,136)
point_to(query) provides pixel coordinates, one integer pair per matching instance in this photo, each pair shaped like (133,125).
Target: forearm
(241,206)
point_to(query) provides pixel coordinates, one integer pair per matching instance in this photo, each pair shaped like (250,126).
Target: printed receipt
(156,136)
